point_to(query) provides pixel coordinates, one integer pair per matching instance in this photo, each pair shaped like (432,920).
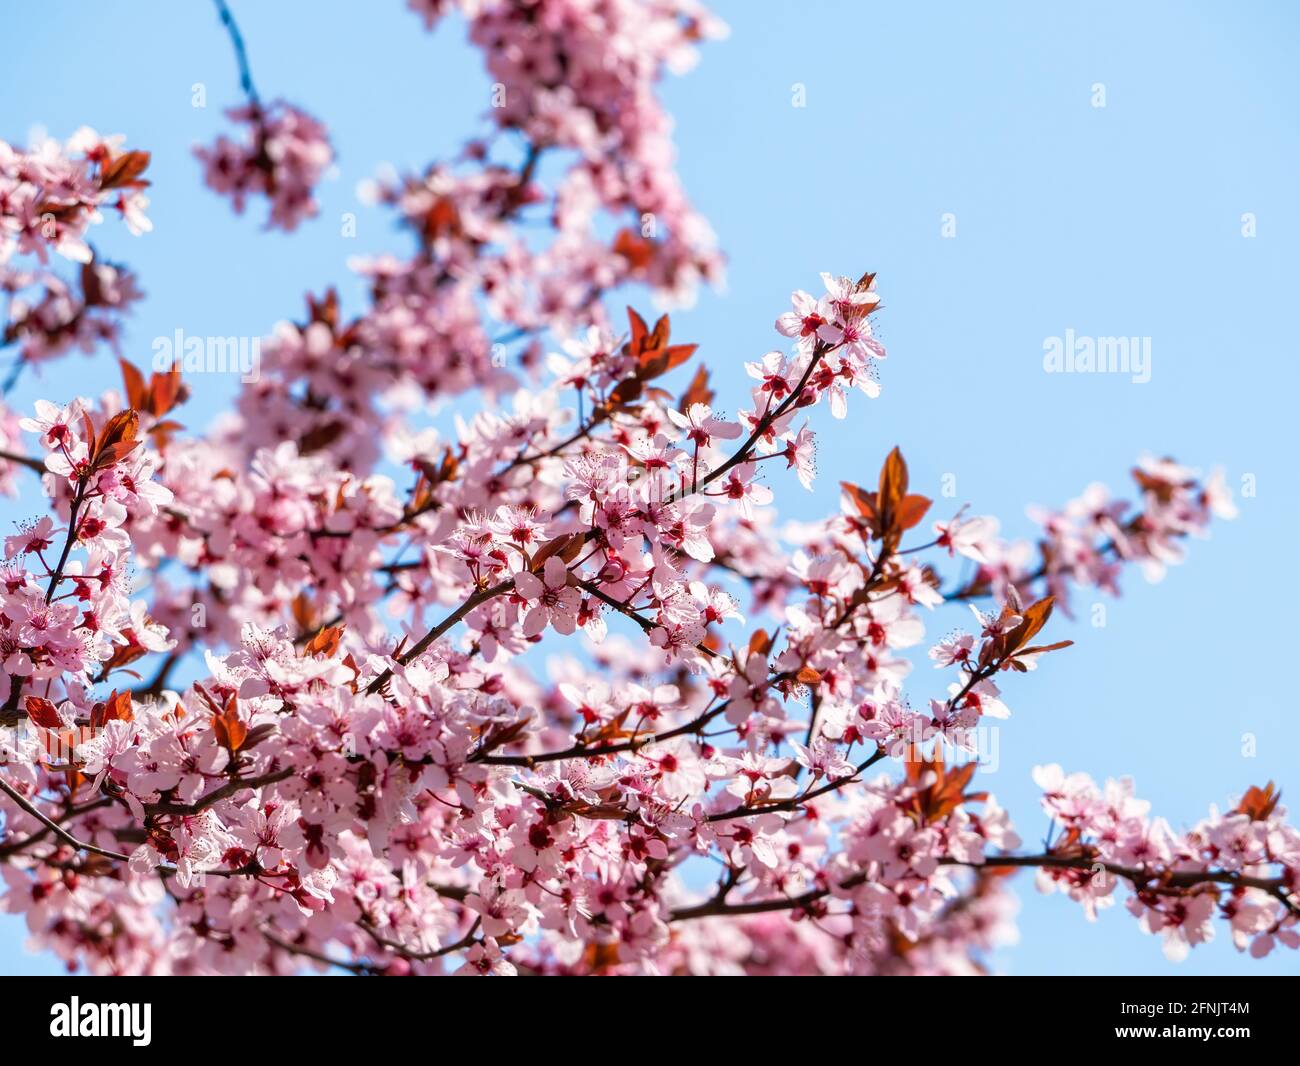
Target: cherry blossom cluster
(60,316)
(50,196)
(325,795)
(547,688)
(577,76)
(1091,539)
(282,157)
(68,618)
(580,146)
(52,193)
(1240,865)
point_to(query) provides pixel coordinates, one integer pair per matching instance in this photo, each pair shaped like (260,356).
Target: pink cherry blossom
(282,157)
(551,601)
(335,683)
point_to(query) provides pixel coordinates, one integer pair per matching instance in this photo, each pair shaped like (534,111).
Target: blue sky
(1123,220)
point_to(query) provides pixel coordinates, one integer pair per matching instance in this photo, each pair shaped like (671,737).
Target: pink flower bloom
(952,650)
(701,426)
(808,322)
(966,536)
(801,454)
(486,960)
(283,158)
(36,538)
(554,603)
(56,425)
(824,758)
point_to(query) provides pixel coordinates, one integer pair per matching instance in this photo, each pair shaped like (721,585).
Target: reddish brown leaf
(320,437)
(43,713)
(165,391)
(124,654)
(230,730)
(120,429)
(326,642)
(303,613)
(325,310)
(651,350)
(256,735)
(945,792)
(889,511)
(115,453)
(910,512)
(625,392)
(117,708)
(1034,617)
(1259,803)
(637,331)
(500,735)
(600,956)
(698,390)
(91,439)
(1039,649)
(124,170)
(893,481)
(566,546)
(863,500)
(133,381)
(613,729)
(638,251)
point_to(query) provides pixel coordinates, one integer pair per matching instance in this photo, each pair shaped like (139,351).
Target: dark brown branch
(1149,880)
(28,461)
(232,786)
(795,802)
(55,828)
(581,751)
(422,645)
(359,968)
(424,956)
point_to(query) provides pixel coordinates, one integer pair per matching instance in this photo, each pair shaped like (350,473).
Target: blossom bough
(336,725)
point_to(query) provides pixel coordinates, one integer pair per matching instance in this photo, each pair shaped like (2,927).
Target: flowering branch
(486,721)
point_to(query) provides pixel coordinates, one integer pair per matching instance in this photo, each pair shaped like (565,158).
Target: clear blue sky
(1124,220)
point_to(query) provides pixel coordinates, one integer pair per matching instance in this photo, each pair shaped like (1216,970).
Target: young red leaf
(43,713)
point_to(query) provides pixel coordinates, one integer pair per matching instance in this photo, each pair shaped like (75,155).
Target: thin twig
(241,53)
(54,826)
